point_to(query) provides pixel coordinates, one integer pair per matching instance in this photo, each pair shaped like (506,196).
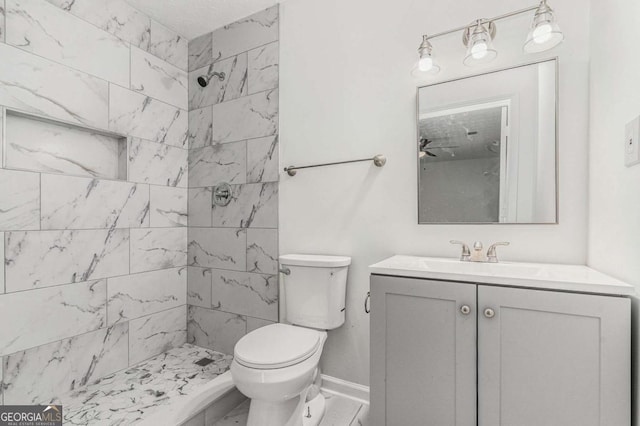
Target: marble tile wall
(232,281)
(93,234)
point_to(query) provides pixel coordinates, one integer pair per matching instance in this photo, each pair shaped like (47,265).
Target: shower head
(203,80)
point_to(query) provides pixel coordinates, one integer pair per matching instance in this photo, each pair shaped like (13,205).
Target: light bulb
(478,38)
(425,63)
(542,33)
(479,50)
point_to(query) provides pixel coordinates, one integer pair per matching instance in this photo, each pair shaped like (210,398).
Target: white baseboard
(346,389)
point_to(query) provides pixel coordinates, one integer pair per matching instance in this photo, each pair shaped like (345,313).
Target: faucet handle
(492,257)
(466,253)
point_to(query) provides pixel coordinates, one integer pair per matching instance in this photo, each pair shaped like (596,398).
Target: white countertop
(575,278)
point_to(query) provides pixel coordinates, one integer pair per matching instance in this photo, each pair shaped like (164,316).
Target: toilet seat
(277,346)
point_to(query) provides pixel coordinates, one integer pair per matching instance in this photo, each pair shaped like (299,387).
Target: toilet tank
(315,289)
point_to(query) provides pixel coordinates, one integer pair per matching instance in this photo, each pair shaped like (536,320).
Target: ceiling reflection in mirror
(487,147)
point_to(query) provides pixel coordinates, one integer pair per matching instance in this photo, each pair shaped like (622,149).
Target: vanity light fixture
(544,34)
(479,41)
(426,63)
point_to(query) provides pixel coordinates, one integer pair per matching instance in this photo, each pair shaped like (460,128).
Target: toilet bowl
(274,366)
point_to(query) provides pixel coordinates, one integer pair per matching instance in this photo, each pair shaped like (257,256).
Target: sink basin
(530,275)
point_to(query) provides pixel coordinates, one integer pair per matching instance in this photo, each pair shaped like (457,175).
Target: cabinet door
(423,353)
(553,359)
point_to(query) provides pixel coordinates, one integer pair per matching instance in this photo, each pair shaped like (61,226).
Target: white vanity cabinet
(468,352)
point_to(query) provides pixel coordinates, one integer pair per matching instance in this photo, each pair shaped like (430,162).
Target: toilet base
(314,411)
(264,413)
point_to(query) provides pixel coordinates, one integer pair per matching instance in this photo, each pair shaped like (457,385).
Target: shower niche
(40,144)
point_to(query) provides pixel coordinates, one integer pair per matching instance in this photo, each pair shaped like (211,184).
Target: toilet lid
(276,346)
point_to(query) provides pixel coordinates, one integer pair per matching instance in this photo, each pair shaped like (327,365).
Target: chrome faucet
(466,253)
(478,255)
(491,252)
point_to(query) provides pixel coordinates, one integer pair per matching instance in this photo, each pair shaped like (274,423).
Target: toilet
(276,365)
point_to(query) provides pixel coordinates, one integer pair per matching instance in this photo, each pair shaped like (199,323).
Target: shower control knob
(489,313)
(465,309)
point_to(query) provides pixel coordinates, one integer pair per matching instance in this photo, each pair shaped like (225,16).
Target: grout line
(139,228)
(151,97)
(93,280)
(215,61)
(95,178)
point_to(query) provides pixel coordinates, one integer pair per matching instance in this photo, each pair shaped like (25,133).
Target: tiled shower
(113,252)
(233,138)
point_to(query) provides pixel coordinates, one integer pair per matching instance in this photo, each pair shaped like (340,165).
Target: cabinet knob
(465,309)
(489,313)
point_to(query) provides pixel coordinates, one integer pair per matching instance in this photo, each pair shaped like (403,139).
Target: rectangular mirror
(487,147)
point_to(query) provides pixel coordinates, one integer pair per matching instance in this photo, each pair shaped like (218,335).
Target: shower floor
(135,393)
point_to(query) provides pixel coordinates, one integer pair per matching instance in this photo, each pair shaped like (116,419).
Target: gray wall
(233,138)
(94,272)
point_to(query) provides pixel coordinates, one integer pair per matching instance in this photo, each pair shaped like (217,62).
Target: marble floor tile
(158,79)
(362,418)
(157,333)
(200,51)
(237,416)
(197,420)
(168,206)
(249,117)
(200,127)
(156,163)
(36,259)
(41,316)
(263,68)
(233,86)
(339,411)
(199,286)
(169,46)
(80,203)
(46,30)
(262,251)
(247,33)
(262,160)
(158,248)
(136,295)
(215,330)
(138,392)
(55,148)
(223,248)
(44,374)
(114,16)
(223,406)
(34,84)
(20,200)
(245,293)
(134,114)
(211,165)
(200,202)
